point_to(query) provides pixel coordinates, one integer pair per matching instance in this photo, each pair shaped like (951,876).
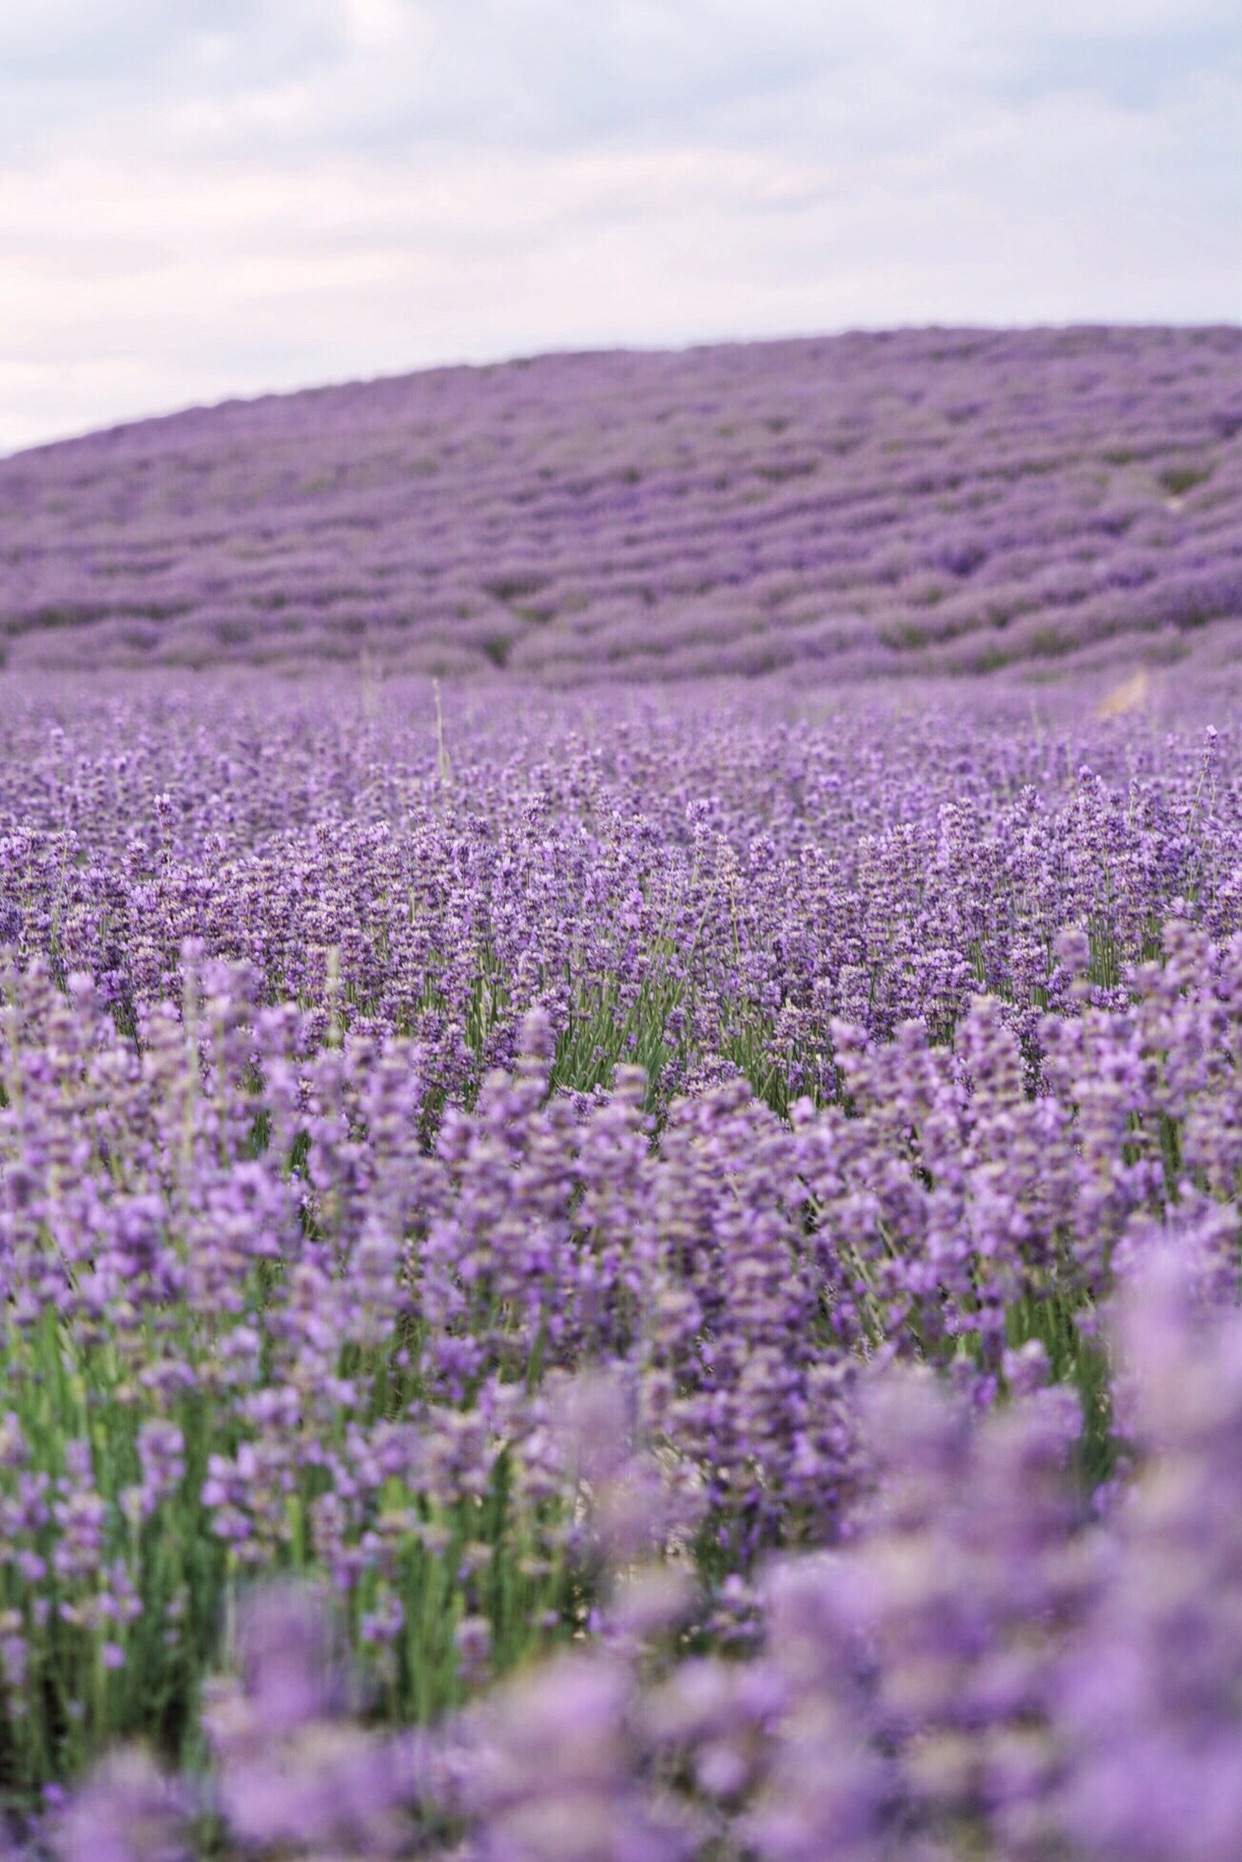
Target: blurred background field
(940,501)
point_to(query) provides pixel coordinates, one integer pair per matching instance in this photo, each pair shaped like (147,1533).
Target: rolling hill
(937,500)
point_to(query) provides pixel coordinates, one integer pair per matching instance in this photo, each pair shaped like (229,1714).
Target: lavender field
(923,500)
(603,1260)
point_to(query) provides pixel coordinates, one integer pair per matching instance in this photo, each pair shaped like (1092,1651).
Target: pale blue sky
(219,197)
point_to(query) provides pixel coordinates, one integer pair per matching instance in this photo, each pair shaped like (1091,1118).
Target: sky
(216,198)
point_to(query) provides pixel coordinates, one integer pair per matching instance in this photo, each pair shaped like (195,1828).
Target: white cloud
(235,203)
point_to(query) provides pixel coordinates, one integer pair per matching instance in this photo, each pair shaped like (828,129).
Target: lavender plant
(985,1667)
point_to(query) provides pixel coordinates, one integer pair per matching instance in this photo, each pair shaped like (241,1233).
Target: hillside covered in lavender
(924,500)
(621,1114)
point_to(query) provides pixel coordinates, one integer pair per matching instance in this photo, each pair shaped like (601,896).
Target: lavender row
(340,1241)
(927,499)
(697,890)
(984,1670)
(253,1324)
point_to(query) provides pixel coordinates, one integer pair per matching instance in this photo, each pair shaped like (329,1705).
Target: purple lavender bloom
(1149,1702)
(127,1811)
